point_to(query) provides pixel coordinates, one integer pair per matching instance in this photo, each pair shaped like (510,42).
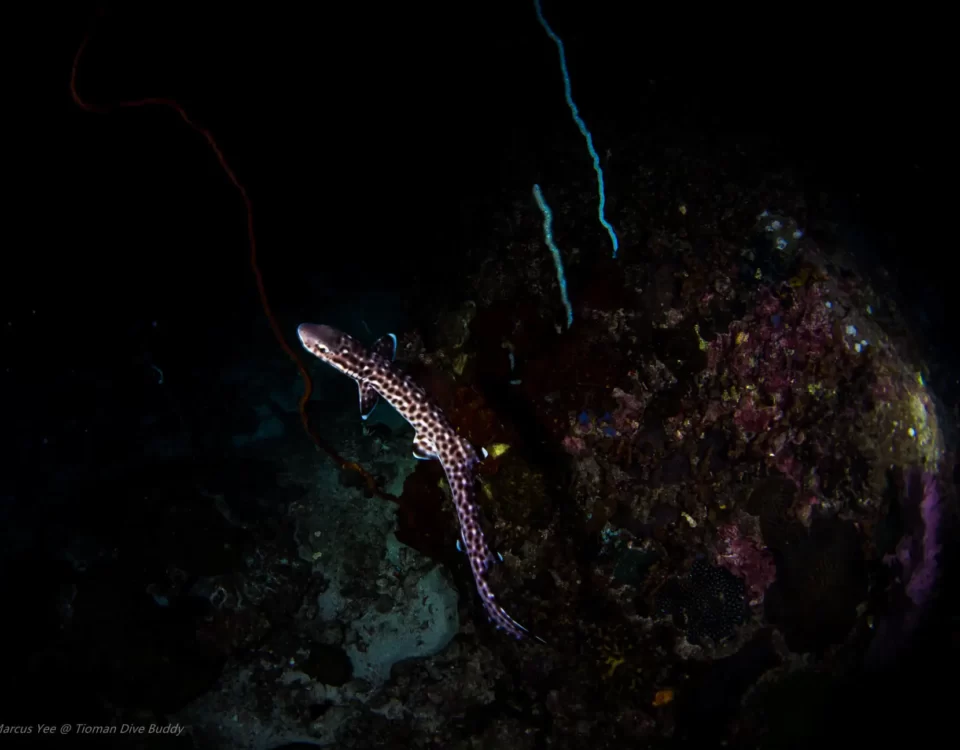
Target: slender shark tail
(503,621)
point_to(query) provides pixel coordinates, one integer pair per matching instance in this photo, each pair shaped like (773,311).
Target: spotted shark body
(434,438)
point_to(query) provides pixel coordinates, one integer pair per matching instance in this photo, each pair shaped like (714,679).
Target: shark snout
(314,335)
(306,333)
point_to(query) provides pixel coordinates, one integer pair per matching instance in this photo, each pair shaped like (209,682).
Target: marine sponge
(707,602)
(922,570)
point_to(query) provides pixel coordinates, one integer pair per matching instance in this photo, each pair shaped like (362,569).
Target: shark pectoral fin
(386,347)
(492,562)
(422,450)
(368,398)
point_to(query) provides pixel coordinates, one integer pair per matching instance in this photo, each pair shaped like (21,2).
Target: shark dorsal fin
(386,346)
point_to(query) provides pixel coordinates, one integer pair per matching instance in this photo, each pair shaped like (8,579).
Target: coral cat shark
(434,438)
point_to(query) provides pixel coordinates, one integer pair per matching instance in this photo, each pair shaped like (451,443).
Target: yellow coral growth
(663,697)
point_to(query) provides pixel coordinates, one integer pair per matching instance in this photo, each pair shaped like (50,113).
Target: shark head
(321,338)
(334,347)
(352,358)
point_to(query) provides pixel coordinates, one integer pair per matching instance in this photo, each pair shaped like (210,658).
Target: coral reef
(720,488)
